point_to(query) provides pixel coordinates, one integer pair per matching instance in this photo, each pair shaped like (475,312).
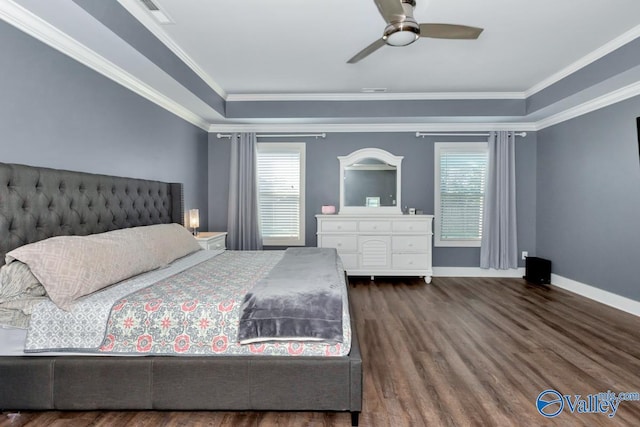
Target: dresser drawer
(410,244)
(338,226)
(217,243)
(412,226)
(341,243)
(410,261)
(212,240)
(374,226)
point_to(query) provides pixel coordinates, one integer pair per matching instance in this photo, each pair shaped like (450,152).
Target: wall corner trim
(605,297)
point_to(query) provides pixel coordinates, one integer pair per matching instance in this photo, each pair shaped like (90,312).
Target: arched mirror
(370,182)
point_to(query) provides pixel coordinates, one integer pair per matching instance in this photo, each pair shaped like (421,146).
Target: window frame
(439,148)
(299,147)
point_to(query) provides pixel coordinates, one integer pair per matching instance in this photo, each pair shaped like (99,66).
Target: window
(281,193)
(460,175)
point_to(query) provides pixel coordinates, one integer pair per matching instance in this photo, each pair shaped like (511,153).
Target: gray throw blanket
(299,300)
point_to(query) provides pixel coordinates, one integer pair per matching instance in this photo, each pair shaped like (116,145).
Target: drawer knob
(339,227)
(375,227)
(339,244)
(410,245)
(410,262)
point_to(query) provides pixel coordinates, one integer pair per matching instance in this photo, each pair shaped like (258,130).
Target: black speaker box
(638,127)
(537,270)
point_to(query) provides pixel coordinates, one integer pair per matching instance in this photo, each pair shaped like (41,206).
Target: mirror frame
(381,155)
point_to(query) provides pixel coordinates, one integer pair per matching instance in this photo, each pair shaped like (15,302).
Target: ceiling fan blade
(367,51)
(391,10)
(449,31)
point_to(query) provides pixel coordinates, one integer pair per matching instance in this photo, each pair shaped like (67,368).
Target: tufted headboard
(37,203)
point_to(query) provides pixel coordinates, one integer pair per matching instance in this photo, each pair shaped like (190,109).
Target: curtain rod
(291,135)
(423,134)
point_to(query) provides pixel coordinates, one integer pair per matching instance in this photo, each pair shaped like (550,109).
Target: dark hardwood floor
(457,352)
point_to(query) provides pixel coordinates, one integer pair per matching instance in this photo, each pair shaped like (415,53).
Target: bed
(39,203)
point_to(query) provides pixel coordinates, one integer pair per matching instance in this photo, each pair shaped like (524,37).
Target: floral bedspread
(196,312)
(81,329)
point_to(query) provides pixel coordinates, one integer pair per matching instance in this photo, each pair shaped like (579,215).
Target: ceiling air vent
(155,11)
(150,5)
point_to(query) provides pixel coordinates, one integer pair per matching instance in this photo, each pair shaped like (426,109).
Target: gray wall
(219,156)
(58,113)
(322,178)
(588,189)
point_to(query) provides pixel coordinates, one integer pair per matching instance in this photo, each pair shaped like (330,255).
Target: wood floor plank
(457,352)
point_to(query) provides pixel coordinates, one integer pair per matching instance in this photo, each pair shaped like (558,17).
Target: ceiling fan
(402,28)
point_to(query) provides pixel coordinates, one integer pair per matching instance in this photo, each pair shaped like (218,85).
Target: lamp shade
(194,218)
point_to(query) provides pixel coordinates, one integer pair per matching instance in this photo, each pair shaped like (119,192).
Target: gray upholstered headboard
(37,203)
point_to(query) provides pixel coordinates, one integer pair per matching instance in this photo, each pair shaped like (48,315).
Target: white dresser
(379,245)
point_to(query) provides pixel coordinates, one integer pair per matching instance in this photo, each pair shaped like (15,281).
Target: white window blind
(280,170)
(460,181)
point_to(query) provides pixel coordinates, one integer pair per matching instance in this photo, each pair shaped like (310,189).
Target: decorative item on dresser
(216,240)
(381,245)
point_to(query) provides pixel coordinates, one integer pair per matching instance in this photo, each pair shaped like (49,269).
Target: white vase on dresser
(379,245)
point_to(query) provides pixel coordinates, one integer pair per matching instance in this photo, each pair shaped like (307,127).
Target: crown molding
(373,96)
(587,107)
(604,50)
(600,102)
(36,27)
(370,127)
(135,8)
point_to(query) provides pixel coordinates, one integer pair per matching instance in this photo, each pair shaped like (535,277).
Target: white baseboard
(605,297)
(476,272)
(597,294)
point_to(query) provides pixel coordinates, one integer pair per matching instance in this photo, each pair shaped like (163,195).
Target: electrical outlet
(525,254)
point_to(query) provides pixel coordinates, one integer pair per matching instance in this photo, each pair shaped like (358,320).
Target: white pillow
(169,241)
(70,267)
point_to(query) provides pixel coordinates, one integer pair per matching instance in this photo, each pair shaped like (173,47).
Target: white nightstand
(216,240)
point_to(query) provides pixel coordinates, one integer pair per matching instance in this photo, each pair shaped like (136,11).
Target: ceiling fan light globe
(401,38)
(401,34)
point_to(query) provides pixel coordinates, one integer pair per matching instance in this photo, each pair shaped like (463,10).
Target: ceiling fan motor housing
(405,30)
(401,33)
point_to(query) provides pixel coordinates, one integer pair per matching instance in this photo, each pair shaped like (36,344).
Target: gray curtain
(499,247)
(243,223)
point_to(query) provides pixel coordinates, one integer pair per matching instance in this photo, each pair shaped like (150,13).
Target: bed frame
(38,203)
